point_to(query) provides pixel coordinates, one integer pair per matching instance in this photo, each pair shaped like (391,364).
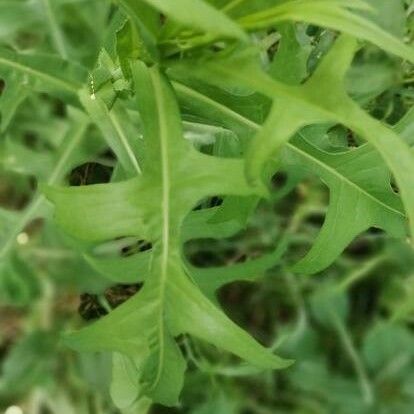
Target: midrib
(26,69)
(253,125)
(343,178)
(55,29)
(165,208)
(124,141)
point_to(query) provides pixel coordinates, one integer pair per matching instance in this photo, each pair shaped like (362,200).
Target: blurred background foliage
(350,328)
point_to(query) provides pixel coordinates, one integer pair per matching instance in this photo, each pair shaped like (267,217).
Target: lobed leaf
(153,206)
(322,98)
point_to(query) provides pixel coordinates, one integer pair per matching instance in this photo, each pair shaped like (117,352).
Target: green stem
(56,31)
(231,5)
(361,272)
(363,379)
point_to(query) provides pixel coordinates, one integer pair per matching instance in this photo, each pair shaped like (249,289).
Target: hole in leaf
(376,231)
(394,186)
(90,307)
(94,306)
(363,246)
(139,246)
(90,173)
(209,203)
(31,139)
(121,246)
(216,201)
(119,294)
(352,142)
(59,109)
(278,180)
(313,30)
(206,258)
(315,219)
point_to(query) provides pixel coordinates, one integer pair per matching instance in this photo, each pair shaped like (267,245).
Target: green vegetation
(207,206)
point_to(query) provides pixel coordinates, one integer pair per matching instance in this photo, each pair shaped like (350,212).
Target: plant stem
(361,272)
(231,5)
(364,382)
(56,31)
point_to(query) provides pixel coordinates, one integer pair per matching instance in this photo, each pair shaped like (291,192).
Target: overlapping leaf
(321,99)
(332,14)
(43,72)
(72,151)
(165,177)
(153,207)
(196,14)
(360,197)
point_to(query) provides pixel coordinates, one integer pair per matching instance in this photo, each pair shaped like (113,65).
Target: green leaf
(19,285)
(322,98)
(385,343)
(368,79)
(390,15)
(11,97)
(29,363)
(153,207)
(333,15)
(116,129)
(131,46)
(72,151)
(23,160)
(125,381)
(289,63)
(134,269)
(56,32)
(343,173)
(17,15)
(218,404)
(198,15)
(44,73)
(360,197)
(131,269)
(329,305)
(211,279)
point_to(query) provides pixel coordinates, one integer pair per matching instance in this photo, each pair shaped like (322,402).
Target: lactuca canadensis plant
(168,89)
